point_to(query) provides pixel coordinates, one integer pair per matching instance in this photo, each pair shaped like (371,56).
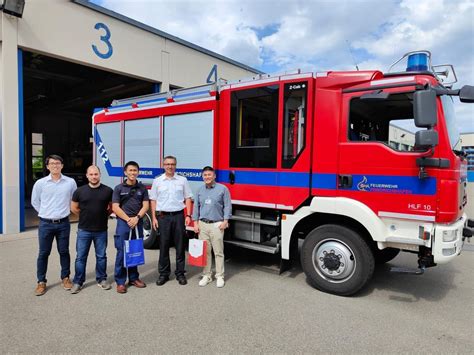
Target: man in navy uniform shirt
(130,203)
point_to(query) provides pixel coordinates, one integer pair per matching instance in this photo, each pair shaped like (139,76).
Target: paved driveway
(258,311)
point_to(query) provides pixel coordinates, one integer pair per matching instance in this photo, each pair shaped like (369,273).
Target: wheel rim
(147,227)
(334,260)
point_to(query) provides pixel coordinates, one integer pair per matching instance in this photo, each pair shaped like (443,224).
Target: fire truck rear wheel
(385,255)
(150,235)
(337,260)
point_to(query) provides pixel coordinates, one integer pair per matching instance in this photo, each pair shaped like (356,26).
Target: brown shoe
(40,289)
(67,284)
(137,283)
(121,289)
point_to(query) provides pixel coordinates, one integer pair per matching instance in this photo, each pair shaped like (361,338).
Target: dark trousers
(171,227)
(46,234)
(122,232)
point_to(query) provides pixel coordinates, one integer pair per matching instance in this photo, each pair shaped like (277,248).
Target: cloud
(277,35)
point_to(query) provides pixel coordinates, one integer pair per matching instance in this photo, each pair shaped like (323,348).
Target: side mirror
(466,94)
(426,139)
(424,108)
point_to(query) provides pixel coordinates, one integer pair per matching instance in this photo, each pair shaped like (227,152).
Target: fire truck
(357,165)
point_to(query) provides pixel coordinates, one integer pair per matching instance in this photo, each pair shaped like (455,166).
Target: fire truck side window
(294,122)
(254,117)
(387,121)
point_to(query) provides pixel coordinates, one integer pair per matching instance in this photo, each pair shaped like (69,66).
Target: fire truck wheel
(337,260)
(385,255)
(150,235)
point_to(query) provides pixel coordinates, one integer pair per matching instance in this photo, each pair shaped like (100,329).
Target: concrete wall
(67,30)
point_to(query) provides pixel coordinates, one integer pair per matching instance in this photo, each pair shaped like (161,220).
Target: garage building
(60,59)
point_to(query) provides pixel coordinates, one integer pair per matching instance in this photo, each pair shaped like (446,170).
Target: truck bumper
(448,241)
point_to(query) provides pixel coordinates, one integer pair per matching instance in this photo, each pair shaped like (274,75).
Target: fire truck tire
(150,235)
(337,260)
(385,255)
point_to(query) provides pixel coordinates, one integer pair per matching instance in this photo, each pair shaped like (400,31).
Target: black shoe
(182,280)
(162,280)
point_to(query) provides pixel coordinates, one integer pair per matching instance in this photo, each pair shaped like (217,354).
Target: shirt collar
(49,177)
(210,187)
(125,183)
(171,178)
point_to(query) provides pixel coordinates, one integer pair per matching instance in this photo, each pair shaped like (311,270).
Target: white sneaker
(205,281)
(220,282)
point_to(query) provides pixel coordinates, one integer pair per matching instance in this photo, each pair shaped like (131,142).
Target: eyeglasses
(57,163)
(170,164)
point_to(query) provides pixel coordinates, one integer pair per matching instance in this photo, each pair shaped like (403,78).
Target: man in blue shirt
(211,213)
(51,198)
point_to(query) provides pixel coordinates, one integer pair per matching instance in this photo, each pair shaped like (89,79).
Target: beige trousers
(214,237)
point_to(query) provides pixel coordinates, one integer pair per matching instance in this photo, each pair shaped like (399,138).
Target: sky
(320,35)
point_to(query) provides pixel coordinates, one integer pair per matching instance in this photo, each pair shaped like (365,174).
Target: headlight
(449,235)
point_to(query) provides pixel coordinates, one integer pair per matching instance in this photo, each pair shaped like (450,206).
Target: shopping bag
(197,252)
(133,251)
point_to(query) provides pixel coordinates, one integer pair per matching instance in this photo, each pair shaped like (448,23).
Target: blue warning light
(417,62)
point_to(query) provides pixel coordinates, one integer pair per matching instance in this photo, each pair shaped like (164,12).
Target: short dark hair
(131,163)
(207,168)
(54,157)
(170,157)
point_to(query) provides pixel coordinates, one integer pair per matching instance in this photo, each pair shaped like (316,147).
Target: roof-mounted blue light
(417,62)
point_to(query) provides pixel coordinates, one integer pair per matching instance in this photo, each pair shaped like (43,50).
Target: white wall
(64,29)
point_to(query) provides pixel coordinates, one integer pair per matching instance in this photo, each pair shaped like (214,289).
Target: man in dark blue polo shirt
(130,203)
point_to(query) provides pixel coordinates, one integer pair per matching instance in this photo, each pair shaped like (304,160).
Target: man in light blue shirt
(51,198)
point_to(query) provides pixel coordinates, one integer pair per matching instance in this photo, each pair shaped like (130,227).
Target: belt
(164,213)
(55,221)
(208,221)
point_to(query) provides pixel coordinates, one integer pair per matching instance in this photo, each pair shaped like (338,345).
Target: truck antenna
(352,54)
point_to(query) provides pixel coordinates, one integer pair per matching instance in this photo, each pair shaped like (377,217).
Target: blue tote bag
(133,251)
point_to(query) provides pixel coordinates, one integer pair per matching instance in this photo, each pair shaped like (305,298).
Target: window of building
(294,122)
(469,151)
(37,155)
(389,121)
(254,116)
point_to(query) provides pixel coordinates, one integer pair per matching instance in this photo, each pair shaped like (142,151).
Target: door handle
(232,177)
(345,181)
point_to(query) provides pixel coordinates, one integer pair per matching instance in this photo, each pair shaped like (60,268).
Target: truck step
(402,270)
(258,247)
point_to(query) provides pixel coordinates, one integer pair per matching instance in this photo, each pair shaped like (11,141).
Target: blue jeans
(46,234)
(83,244)
(121,234)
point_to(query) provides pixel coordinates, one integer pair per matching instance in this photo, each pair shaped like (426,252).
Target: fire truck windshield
(451,124)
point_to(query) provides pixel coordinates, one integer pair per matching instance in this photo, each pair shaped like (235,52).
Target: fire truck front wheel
(337,260)
(150,235)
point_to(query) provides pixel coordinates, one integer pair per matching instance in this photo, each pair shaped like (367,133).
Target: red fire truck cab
(359,165)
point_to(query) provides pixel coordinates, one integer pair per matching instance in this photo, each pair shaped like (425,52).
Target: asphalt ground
(258,311)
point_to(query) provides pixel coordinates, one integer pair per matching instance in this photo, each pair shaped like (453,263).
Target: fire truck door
(268,159)
(377,159)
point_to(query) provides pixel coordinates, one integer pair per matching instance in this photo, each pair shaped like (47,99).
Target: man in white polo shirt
(169,195)
(51,198)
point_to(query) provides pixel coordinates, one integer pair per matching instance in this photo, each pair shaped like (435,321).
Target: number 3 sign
(104,38)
